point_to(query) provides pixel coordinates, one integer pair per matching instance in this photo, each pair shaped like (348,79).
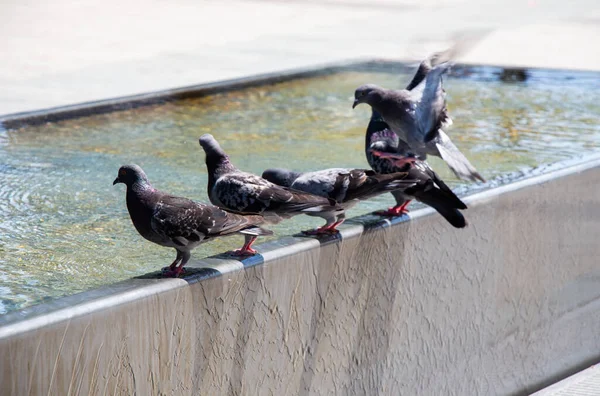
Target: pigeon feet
(167,272)
(325,230)
(397,210)
(322,231)
(244,251)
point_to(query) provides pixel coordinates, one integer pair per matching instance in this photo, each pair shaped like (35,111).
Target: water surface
(64,228)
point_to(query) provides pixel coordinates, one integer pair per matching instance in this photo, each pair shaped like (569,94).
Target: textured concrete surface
(584,383)
(64,52)
(505,306)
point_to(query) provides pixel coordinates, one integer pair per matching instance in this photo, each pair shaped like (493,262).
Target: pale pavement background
(64,52)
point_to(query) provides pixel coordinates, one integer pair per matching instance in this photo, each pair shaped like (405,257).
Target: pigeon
(245,193)
(348,186)
(386,155)
(380,138)
(345,186)
(181,223)
(383,157)
(418,114)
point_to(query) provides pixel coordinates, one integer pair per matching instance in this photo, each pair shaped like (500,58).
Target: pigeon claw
(322,231)
(326,229)
(167,272)
(394,211)
(245,251)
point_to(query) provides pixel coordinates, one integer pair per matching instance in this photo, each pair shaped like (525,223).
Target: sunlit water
(64,228)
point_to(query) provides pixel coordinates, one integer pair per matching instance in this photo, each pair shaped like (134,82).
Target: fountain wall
(506,306)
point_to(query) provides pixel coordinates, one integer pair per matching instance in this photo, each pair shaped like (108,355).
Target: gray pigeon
(380,137)
(384,157)
(417,116)
(241,192)
(179,222)
(348,186)
(345,186)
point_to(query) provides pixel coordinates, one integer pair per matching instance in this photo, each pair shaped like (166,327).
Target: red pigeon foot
(397,210)
(168,273)
(244,252)
(322,231)
(325,230)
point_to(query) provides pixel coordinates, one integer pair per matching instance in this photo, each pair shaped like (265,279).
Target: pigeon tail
(437,200)
(456,161)
(332,207)
(256,231)
(399,184)
(379,184)
(275,218)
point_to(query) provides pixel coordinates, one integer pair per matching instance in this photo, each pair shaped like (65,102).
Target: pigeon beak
(117,180)
(356,103)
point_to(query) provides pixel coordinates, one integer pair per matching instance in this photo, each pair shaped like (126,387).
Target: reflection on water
(64,228)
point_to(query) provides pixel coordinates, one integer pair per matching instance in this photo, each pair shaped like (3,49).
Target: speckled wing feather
(325,183)
(364,184)
(244,192)
(384,140)
(184,221)
(345,185)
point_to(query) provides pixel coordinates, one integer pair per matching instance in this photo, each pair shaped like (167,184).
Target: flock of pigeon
(406,125)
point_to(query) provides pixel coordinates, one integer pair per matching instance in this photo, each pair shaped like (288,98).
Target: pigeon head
(130,175)
(217,162)
(211,146)
(281,177)
(368,93)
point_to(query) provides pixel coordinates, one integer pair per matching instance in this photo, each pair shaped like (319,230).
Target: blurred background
(507,306)
(64,52)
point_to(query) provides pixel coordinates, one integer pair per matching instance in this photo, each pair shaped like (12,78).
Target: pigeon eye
(123,172)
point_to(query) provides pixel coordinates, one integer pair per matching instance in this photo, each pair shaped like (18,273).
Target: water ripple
(64,227)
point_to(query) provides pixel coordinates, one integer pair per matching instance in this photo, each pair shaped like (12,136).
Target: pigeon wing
(324,183)
(431,113)
(184,221)
(287,200)
(247,193)
(364,184)
(181,220)
(242,192)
